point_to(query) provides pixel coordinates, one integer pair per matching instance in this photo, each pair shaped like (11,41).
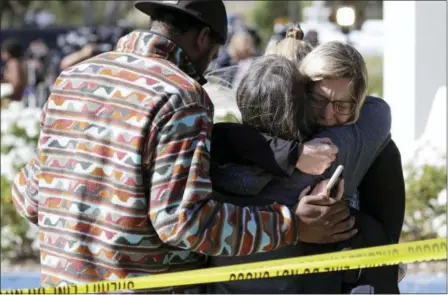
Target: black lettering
(306,271)
(249,276)
(240,276)
(285,273)
(232,277)
(395,252)
(418,249)
(411,249)
(426,248)
(63,290)
(131,286)
(316,270)
(266,275)
(435,248)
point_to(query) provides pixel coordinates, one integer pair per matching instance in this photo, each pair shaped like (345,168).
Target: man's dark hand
(323,219)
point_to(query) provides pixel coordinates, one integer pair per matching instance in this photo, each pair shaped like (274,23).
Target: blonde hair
(337,60)
(292,47)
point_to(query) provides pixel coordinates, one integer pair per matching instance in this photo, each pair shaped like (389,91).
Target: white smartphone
(334,178)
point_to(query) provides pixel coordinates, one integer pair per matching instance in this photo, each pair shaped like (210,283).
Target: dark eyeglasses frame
(334,103)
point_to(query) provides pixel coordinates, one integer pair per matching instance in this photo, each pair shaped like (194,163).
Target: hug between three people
(297,113)
(132,178)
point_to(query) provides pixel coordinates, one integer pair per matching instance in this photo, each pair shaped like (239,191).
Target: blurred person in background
(312,37)
(38,58)
(280,31)
(86,52)
(87,43)
(234,60)
(14,69)
(240,47)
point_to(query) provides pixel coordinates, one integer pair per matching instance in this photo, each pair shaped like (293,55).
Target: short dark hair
(272,98)
(179,23)
(14,48)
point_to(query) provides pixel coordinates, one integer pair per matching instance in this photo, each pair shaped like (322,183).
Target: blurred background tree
(12,12)
(267,12)
(66,12)
(425,202)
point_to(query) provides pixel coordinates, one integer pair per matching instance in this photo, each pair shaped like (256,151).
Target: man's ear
(203,40)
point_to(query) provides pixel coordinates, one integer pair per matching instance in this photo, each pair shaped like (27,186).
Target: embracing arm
(181,208)
(243,144)
(358,145)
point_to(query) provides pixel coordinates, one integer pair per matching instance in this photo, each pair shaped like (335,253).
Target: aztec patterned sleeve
(25,190)
(25,187)
(181,209)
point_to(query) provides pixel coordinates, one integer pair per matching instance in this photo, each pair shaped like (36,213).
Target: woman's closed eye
(344,106)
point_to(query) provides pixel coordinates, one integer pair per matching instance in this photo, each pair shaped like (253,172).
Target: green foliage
(375,72)
(423,186)
(17,234)
(15,230)
(19,132)
(266,12)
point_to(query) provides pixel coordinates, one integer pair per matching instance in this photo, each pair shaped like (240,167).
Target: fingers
(336,213)
(304,192)
(343,236)
(340,191)
(333,149)
(328,145)
(321,200)
(320,187)
(326,140)
(343,226)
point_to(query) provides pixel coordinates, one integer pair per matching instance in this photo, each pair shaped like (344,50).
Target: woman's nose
(329,111)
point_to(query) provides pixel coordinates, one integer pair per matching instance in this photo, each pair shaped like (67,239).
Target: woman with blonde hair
(337,84)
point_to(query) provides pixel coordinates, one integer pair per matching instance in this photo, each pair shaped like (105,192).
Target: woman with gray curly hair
(330,92)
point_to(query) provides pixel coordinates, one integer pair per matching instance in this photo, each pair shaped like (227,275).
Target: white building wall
(414,68)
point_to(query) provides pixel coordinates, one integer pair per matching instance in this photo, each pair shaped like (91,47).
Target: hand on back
(316,156)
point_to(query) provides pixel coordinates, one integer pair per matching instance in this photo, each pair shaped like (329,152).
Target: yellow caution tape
(434,249)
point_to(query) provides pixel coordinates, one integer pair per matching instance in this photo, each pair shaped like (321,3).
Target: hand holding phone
(335,178)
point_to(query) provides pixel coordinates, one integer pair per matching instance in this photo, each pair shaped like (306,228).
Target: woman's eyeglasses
(341,107)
